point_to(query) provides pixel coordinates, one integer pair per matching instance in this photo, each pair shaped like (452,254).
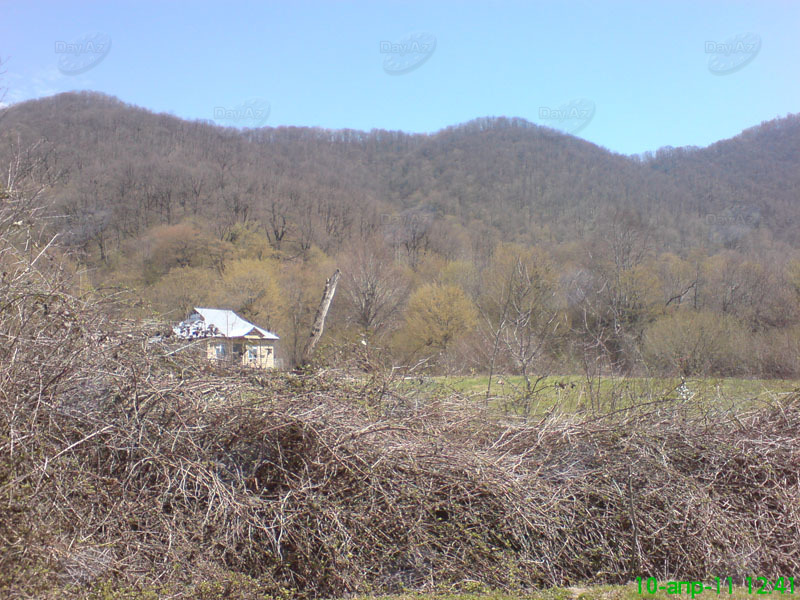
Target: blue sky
(630,76)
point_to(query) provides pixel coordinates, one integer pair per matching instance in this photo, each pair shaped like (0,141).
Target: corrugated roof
(216,322)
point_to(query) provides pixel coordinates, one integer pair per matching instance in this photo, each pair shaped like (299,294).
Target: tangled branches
(301,484)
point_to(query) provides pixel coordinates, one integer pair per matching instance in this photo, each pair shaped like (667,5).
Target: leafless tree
(375,287)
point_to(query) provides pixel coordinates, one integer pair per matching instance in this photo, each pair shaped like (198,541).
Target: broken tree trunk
(319,319)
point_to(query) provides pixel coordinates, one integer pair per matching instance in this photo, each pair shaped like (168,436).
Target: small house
(229,337)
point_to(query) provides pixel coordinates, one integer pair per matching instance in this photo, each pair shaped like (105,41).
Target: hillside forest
(495,245)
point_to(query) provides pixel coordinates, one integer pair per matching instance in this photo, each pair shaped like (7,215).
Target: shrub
(696,343)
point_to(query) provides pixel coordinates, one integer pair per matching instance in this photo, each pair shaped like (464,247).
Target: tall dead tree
(319,318)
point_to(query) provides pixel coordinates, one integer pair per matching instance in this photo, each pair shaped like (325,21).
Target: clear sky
(630,76)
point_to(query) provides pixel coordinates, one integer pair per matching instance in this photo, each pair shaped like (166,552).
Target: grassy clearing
(576,393)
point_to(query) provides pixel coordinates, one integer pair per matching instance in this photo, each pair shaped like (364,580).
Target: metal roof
(217,322)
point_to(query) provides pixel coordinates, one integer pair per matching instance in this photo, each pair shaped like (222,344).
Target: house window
(220,351)
(252,353)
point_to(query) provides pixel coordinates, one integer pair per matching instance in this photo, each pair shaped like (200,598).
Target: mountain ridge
(515,177)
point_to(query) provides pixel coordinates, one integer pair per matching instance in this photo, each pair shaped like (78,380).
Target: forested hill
(125,169)
(683,260)
(755,176)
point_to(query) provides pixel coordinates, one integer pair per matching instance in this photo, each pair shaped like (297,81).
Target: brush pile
(149,475)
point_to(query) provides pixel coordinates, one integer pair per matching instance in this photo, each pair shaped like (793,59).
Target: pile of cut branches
(129,473)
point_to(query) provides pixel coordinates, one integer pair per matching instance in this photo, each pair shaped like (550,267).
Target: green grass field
(576,394)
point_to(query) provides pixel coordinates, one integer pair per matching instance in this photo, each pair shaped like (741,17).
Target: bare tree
(521,314)
(375,287)
(411,232)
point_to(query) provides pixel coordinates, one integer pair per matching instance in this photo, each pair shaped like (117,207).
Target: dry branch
(319,318)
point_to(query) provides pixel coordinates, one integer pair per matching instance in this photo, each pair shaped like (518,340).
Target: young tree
(182,289)
(374,286)
(688,342)
(252,288)
(520,311)
(436,317)
(183,245)
(618,292)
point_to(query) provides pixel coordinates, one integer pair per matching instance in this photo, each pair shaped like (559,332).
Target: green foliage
(252,288)
(181,246)
(183,288)
(248,242)
(437,316)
